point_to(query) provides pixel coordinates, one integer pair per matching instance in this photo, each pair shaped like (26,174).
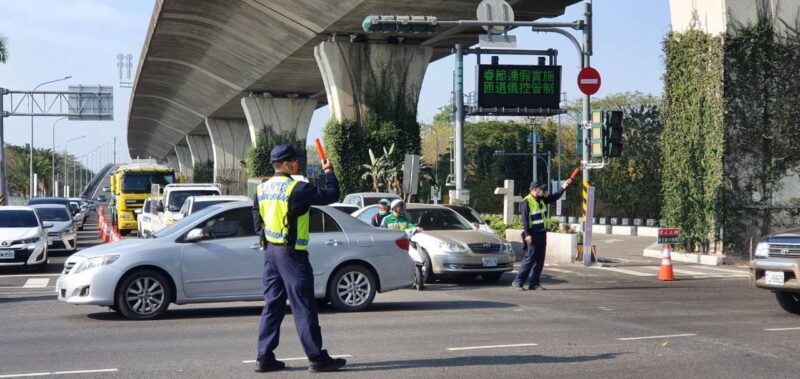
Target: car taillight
(402,243)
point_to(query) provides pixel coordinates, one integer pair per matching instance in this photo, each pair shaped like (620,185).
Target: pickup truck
(776,267)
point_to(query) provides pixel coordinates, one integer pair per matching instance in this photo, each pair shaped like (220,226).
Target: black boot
(325,363)
(269,365)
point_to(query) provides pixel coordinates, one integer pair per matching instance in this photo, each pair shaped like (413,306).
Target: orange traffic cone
(665,274)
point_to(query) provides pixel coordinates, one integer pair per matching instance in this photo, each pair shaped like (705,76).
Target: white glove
(566,183)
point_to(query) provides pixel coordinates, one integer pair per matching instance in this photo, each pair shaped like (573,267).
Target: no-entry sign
(589,81)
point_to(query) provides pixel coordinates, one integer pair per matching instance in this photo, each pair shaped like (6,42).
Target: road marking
(657,337)
(36,283)
(489,347)
(623,271)
(781,329)
(684,271)
(301,358)
(59,373)
(560,270)
(28,275)
(727,270)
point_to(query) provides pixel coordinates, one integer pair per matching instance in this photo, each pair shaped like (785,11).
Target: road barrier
(666,274)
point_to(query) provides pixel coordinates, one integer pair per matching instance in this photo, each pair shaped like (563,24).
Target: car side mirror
(194,235)
(47,226)
(159,206)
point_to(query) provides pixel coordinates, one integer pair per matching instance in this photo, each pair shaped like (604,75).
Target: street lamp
(66,174)
(53,178)
(30,173)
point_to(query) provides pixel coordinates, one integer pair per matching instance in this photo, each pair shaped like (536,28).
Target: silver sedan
(213,256)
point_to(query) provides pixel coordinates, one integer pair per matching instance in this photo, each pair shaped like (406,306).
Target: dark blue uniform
(288,274)
(535,251)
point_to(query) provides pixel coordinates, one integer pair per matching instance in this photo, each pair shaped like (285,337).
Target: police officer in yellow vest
(533,212)
(281,209)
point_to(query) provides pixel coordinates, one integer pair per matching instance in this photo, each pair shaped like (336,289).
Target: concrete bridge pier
(360,75)
(185,166)
(199,148)
(287,119)
(230,140)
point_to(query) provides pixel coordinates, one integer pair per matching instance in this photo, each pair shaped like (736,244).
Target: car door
(327,243)
(223,263)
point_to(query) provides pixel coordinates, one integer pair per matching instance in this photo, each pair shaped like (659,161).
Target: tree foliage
(3,49)
(204,172)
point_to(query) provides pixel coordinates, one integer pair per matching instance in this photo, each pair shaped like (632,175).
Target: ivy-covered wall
(762,96)
(731,140)
(692,139)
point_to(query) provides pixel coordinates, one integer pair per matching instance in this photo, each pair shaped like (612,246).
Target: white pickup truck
(169,205)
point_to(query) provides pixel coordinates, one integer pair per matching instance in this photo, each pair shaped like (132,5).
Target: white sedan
(23,241)
(213,256)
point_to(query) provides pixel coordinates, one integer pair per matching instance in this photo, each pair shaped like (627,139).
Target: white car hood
(12,234)
(462,237)
(58,225)
(120,247)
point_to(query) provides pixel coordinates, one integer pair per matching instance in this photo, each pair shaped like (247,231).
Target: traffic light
(596,135)
(612,134)
(400,24)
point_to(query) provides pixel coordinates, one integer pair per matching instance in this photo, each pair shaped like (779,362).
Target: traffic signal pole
(587,138)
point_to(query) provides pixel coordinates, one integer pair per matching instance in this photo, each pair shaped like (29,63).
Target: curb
(655,251)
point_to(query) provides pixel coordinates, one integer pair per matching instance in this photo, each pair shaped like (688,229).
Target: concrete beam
(289,117)
(230,140)
(351,71)
(184,160)
(199,148)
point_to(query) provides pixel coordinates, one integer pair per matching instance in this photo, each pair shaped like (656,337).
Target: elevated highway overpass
(212,73)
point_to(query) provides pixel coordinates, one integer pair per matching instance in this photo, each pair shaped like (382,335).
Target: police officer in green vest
(533,211)
(281,209)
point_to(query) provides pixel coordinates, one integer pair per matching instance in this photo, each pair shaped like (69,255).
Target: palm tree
(3,50)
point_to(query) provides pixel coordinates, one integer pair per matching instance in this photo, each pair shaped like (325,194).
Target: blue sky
(50,39)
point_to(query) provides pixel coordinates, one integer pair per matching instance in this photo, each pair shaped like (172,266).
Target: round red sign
(589,81)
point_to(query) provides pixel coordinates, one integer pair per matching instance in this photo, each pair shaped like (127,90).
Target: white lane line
(489,347)
(781,329)
(84,371)
(727,270)
(657,337)
(301,358)
(560,270)
(36,283)
(28,275)
(59,373)
(684,271)
(623,271)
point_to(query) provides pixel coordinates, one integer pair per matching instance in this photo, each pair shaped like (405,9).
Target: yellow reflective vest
(273,205)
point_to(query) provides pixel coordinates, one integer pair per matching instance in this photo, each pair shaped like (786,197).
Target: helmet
(397,202)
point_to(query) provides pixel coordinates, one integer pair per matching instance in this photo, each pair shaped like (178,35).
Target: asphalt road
(602,322)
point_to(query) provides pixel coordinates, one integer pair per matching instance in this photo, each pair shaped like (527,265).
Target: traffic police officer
(281,210)
(533,212)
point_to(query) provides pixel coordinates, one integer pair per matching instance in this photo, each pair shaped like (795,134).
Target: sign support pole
(459,122)
(587,217)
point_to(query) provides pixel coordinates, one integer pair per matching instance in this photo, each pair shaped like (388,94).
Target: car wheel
(427,267)
(352,288)
(419,281)
(491,277)
(144,295)
(790,302)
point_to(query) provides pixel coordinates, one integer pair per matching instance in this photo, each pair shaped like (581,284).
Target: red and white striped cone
(666,274)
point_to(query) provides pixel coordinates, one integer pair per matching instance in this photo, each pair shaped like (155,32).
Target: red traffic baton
(575,173)
(320,150)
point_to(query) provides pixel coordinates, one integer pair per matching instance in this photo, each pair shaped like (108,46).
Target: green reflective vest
(273,205)
(537,212)
(397,222)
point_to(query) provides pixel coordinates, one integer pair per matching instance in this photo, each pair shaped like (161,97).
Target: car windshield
(438,219)
(192,218)
(140,183)
(18,219)
(177,198)
(375,200)
(53,214)
(470,215)
(198,205)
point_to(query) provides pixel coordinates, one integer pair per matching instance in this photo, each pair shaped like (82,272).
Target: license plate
(490,262)
(775,278)
(6,254)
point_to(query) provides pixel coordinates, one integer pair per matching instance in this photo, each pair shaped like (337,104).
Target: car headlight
(31,240)
(67,231)
(95,262)
(507,248)
(762,250)
(450,247)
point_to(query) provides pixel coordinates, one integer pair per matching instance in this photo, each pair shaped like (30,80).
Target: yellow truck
(130,185)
